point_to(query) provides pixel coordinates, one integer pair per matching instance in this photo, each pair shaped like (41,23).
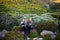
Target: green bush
(17,28)
(46,26)
(58,37)
(47,37)
(56,15)
(3,12)
(11,35)
(34,34)
(47,22)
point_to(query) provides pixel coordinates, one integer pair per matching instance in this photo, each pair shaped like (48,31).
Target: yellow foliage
(55,1)
(1,1)
(24,4)
(33,0)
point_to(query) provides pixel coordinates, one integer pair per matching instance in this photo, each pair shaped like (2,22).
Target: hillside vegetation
(25,6)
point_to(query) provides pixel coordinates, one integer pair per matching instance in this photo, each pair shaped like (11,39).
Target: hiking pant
(27,31)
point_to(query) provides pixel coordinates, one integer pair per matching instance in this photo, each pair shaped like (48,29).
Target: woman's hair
(23,19)
(31,18)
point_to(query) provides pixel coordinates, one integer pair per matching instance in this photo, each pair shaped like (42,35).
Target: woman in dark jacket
(28,27)
(23,24)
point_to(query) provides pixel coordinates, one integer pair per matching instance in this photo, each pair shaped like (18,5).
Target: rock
(45,32)
(35,38)
(40,38)
(28,38)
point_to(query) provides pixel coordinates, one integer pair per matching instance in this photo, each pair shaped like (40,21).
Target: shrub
(47,22)
(17,28)
(57,16)
(58,37)
(46,37)
(11,36)
(34,34)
